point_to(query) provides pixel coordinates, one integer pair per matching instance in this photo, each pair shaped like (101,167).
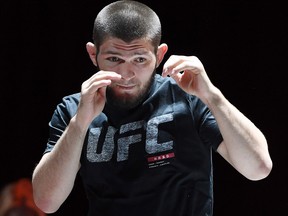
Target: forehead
(141,46)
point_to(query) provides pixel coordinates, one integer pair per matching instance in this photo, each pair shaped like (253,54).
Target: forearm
(245,147)
(54,176)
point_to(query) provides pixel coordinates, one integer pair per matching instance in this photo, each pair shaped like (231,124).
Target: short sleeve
(208,128)
(60,119)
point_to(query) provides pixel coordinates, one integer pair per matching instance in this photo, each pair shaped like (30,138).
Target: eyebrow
(118,53)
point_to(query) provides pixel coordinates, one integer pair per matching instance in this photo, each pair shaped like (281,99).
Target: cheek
(145,74)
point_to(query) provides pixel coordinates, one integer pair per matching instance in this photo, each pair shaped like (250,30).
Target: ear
(91,49)
(162,49)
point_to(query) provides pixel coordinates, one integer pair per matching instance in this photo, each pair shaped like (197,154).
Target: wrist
(213,97)
(79,125)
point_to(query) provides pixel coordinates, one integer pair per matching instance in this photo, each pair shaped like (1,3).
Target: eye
(140,60)
(113,59)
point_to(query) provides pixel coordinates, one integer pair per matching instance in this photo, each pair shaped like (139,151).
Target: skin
(244,145)
(126,68)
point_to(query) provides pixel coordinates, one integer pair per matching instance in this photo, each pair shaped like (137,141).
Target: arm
(54,176)
(243,146)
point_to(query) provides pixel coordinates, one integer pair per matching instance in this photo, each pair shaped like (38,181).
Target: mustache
(125,82)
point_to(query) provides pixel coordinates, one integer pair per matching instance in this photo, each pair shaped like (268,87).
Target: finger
(175,64)
(95,86)
(177,77)
(106,77)
(184,66)
(187,64)
(169,65)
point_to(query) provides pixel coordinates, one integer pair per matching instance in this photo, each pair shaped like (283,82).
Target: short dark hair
(127,20)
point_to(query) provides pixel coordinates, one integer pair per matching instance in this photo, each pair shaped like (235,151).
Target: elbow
(45,203)
(262,171)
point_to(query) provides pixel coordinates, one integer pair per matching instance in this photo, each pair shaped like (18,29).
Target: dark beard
(128,103)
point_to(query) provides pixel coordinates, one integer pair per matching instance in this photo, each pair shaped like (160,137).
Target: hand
(93,95)
(189,73)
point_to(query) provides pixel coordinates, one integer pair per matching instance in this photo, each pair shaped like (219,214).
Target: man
(142,142)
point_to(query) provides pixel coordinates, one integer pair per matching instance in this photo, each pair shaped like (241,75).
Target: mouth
(126,86)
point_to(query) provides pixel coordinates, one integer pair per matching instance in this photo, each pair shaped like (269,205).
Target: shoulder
(160,80)
(166,82)
(169,84)
(72,98)
(68,105)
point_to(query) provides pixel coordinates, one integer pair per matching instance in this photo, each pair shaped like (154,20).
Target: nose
(126,71)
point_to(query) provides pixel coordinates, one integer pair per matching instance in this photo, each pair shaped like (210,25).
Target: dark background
(243,45)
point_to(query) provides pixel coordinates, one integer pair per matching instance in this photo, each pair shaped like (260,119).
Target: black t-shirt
(153,160)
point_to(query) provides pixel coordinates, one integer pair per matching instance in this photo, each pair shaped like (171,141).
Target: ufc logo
(124,142)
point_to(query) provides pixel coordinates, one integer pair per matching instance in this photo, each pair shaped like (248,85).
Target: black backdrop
(242,43)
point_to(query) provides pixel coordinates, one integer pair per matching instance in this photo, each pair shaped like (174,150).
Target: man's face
(135,62)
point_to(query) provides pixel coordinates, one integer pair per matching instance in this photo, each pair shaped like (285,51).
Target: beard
(126,101)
